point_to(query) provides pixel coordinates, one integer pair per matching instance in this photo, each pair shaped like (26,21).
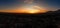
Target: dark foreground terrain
(49,19)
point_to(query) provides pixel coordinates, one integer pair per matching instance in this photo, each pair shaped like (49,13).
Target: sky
(46,4)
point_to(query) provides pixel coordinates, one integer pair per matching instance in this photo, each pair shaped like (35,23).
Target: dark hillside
(49,19)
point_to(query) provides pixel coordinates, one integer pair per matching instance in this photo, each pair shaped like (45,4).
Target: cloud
(28,1)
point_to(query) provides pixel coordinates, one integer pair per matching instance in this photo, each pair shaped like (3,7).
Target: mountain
(49,19)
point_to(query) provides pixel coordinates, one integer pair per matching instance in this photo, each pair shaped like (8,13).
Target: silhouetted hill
(49,19)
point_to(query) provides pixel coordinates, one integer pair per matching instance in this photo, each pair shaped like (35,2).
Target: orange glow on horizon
(24,11)
(34,9)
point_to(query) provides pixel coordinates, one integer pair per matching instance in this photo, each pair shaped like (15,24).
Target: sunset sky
(43,4)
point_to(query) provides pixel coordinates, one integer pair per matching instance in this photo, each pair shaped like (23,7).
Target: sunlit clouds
(28,1)
(29,6)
